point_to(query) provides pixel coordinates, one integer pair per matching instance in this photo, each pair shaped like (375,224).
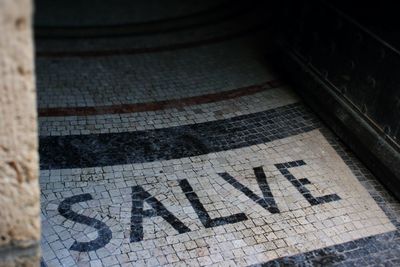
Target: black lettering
(267,202)
(201,211)
(300,183)
(139,195)
(104,233)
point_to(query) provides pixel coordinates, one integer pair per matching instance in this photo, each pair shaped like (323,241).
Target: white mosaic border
(129,122)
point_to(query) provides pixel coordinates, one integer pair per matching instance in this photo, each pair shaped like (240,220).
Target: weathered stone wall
(19,190)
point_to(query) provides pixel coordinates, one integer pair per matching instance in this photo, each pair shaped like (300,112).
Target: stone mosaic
(175,142)
(242,206)
(244,20)
(170,117)
(76,82)
(168,156)
(63,13)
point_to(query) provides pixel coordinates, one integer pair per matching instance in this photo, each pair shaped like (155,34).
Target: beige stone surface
(19,190)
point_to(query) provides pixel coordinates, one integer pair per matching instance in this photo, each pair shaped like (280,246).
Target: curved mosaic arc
(144,50)
(212,16)
(159,105)
(116,7)
(243,19)
(60,152)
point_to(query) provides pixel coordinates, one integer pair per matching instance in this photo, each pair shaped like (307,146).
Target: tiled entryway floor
(192,152)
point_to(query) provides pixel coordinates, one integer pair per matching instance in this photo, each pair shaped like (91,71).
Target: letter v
(267,202)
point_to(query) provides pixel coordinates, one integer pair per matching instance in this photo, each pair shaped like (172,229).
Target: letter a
(139,195)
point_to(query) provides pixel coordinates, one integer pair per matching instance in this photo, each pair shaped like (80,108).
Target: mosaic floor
(62,13)
(197,155)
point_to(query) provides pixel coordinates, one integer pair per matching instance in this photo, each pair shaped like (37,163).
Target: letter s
(104,233)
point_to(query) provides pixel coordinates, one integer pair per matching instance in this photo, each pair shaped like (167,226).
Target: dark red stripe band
(153,106)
